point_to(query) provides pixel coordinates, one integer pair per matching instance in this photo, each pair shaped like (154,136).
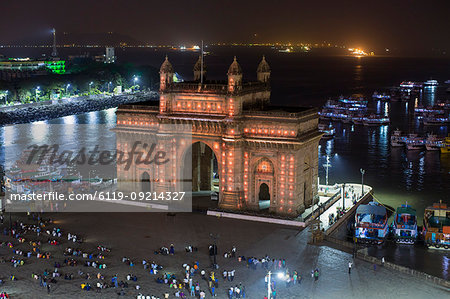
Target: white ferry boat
(430,83)
(410,85)
(433,143)
(328,131)
(374,120)
(381,96)
(428,110)
(436,121)
(414,144)
(358,120)
(397,139)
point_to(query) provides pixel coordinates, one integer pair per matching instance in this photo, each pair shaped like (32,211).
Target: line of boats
(437,115)
(407,90)
(413,142)
(351,110)
(371,225)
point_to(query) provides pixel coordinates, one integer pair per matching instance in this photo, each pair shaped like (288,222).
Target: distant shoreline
(45,111)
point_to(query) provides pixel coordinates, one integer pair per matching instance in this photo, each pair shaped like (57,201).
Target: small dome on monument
(198,65)
(235,68)
(263,66)
(166,67)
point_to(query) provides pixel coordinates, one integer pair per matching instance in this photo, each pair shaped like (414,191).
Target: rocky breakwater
(53,109)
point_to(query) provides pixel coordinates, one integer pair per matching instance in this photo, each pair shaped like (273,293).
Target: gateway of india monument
(253,154)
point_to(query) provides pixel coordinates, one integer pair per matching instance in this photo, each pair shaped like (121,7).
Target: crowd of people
(188,281)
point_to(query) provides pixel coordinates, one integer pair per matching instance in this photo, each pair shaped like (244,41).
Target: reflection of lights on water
(92,116)
(69,120)
(422,165)
(10,135)
(445,264)
(39,131)
(386,109)
(353,128)
(111,115)
(329,148)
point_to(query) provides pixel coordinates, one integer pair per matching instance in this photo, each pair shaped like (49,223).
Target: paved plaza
(138,235)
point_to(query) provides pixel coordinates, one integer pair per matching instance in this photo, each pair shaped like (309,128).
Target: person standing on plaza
(382,261)
(349,267)
(233,251)
(316,275)
(237,292)
(203,273)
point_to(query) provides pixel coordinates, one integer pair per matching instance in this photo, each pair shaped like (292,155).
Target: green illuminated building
(56,66)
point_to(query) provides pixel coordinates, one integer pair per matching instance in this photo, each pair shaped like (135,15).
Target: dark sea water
(301,79)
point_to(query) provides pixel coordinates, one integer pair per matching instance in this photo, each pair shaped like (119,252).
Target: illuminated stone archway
(254,143)
(205,170)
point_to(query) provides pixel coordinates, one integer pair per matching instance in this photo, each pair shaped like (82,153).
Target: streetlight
(214,249)
(109,83)
(136,79)
(327,166)
(90,84)
(37,92)
(269,291)
(67,86)
(362,181)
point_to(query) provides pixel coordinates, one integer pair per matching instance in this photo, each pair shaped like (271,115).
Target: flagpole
(201,72)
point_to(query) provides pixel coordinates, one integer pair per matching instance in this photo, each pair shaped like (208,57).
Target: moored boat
(415,144)
(381,96)
(436,226)
(374,120)
(430,83)
(436,121)
(404,226)
(397,139)
(433,143)
(328,132)
(371,223)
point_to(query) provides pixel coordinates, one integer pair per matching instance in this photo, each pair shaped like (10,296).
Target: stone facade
(262,151)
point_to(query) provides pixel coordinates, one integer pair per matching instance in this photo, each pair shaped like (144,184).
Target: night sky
(404,24)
